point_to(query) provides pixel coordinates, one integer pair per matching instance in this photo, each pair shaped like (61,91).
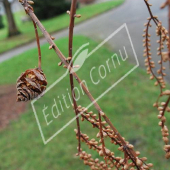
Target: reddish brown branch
(98,148)
(149,55)
(130,152)
(71,29)
(38,45)
(164,110)
(126,149)
(101,135)
(163,35)
(150,12)
(165,4)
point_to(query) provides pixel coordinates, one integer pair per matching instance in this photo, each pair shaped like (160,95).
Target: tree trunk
(12,28)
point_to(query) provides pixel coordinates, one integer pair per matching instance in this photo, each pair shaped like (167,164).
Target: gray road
(133,12)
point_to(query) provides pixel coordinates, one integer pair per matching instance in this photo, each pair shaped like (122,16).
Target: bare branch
(130,154)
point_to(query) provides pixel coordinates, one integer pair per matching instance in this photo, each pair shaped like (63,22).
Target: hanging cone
(30,85)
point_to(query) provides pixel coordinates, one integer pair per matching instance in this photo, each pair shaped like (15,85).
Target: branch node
(60,63)
(31,2)
(51,47)
(30,7)
(102,113)
(53,38)
(68,59)
(77,16)
(26,10)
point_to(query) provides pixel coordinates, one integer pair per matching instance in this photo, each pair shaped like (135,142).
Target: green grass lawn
(128,105)
(52,25)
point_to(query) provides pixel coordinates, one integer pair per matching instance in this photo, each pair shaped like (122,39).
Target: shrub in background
(45,9)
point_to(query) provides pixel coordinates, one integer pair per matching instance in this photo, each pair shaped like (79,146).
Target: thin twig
(163,34)
(71,29)
(101,135)
(30,12)
(38,45)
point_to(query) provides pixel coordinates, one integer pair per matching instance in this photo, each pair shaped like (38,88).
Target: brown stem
(95,125)
(163,32)
(126,149)
(161,68)
(97,148)
(102,138)
(130,152)
(71,29)
(164,110)
(147,51)
(150,12)
(38,45)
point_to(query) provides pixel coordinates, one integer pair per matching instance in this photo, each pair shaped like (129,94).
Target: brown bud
(60,64)
(126,167)
(167,92)
(77,16)
(102,113)
(137,153)
(31,2)
(108,151)
(51,47)
(150,165)
(159,116)
(101,153)
(155,105)
(165,139)
(144,159)
(130,146)
(139,162)
(69,58)
(167,147)
(53,38)
(167,155)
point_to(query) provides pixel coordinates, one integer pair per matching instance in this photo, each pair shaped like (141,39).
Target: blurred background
(128,105)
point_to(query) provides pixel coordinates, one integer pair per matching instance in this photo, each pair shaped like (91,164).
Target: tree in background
(51,8)
(12,28)
(1,22)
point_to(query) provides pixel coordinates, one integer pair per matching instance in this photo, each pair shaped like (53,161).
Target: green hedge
(45,9)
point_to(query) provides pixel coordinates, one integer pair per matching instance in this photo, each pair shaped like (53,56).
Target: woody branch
(71,29)
(159,76)
(129,151)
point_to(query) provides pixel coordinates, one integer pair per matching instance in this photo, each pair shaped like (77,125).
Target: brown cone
(30,84)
